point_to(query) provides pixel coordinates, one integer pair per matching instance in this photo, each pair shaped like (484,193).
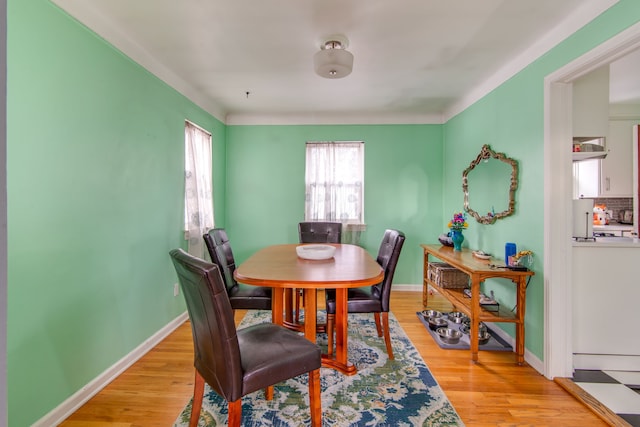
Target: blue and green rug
(400,392)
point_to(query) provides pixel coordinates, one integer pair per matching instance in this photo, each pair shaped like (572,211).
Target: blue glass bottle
(509,250)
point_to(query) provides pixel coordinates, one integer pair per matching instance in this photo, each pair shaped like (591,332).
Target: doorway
(558,353)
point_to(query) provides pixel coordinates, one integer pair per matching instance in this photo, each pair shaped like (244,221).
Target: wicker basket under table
(447,276)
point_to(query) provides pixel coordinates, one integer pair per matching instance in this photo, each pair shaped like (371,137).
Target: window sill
(355,227)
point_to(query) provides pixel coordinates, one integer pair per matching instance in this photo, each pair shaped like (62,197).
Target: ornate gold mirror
(489,185)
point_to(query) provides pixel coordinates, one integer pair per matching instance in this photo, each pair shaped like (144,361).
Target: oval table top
(279,266)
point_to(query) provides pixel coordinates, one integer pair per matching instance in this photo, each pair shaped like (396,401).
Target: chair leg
(235,413)
(387,336)
(315,401)
(268,393)
(330,320)
(376,316)
(198,394)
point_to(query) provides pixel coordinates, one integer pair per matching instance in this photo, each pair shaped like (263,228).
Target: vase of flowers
(456,225)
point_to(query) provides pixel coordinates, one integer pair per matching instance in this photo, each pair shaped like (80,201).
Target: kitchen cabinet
(605,306)
(616,174)
(613,175)
(591,104)
(586,179)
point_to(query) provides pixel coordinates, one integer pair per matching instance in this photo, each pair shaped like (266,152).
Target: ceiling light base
(333,61)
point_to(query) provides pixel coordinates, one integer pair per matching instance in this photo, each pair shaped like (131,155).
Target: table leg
(291,319)
(342,336)
(425,285)
(277,305)
(521,305)
(310,314)
(288,305)
(340,362)
(475,315)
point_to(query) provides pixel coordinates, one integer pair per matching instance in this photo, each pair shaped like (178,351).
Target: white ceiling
(416,61)
(624,80)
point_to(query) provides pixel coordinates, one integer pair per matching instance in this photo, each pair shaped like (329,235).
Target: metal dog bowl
(437,322)
(466,327)
(430,313)
(457,317)
(449,336)
(483,337)
(483,333)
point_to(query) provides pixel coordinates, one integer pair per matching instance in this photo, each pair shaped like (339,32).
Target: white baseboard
(405,288)
(79,398)
(529,357)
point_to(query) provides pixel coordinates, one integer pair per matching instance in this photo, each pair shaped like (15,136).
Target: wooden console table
(478,271)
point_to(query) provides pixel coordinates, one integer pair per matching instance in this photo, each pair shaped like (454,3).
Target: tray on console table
(478,271)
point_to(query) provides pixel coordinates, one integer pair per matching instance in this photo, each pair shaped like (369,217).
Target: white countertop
(613,227)
(610,242)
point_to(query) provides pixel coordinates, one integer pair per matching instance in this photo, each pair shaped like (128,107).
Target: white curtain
(198,189)
(334,186)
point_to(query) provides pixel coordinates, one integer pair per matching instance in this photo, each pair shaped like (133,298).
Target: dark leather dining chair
(316,232)
(320,232)
(237,362)
(372,299)
(242,296)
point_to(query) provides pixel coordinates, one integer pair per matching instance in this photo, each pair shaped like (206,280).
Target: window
(198,189)
(334,183)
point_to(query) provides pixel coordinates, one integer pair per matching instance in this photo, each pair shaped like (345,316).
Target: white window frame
(328,170)
(198,193)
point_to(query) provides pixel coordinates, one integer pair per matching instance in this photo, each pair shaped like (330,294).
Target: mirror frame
(487,153)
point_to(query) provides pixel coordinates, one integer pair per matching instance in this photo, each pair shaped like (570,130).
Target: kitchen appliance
(582,219)
(600,215)
(625,216)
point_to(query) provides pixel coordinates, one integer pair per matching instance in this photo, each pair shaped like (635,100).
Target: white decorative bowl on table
(315,251)
(481,255)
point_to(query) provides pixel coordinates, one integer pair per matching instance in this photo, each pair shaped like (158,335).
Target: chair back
(388,255)
(221,254)
(320,232)
(215,342)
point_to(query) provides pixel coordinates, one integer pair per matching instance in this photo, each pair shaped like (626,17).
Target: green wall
(510,121)
(95,190)
(403,185)
(95,158)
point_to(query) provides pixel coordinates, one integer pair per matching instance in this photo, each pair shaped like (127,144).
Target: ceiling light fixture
(333,61)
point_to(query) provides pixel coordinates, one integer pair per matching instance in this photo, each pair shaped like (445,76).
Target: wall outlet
(176,289)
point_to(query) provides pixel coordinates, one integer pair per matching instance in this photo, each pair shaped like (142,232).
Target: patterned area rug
(400,392)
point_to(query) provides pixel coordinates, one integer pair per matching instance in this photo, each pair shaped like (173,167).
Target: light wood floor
(493,392)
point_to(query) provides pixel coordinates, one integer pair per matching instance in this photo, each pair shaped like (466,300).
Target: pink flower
(459,221)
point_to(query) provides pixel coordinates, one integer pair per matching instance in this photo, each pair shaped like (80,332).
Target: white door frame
(558,128)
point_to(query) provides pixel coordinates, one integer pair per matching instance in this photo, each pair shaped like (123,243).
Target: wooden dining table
(280,268)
